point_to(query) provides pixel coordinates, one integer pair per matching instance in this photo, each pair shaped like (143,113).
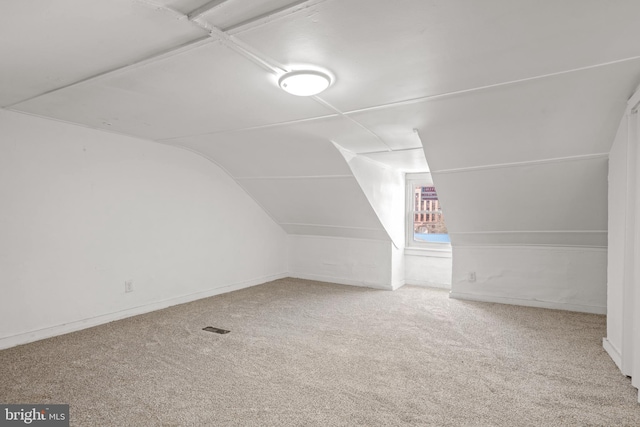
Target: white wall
(384,189)
(359,262)
(83,211)
(398,268)
(619,229)
(432,271)
(623,280)
(521,172)
(552,277)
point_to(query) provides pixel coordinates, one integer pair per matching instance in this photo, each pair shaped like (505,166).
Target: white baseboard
(530,303)
(52,331)
(398,285)
(613,352)
(427,284)
(340,281)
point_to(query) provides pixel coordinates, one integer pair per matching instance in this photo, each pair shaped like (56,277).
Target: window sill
(444,252)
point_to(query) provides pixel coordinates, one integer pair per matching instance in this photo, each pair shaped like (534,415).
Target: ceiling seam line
(258,127)
(241,48)
(168,53)
(365,158)
(81,125)
(269,14)
(274,15)
(395,151)
(248,178)
(318,236)
(204,9)
(486,87)
(331,226)
(524,163)
(357,123)
(533,246)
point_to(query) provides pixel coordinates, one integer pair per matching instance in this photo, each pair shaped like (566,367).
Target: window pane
(428,221)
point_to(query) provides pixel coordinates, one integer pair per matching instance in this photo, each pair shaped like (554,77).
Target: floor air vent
(216,330)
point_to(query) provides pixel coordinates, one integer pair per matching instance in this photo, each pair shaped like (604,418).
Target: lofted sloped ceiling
(514,103)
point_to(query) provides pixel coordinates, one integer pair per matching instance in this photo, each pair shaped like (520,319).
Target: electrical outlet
(128,286)
(472,276)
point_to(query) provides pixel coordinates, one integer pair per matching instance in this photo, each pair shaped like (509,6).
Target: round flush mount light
(304,82)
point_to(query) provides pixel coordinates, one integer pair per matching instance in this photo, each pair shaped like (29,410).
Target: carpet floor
(304,353)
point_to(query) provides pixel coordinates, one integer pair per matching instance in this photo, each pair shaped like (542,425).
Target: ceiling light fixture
(304,82)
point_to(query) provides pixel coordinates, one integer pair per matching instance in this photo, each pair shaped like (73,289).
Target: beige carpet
(304,353)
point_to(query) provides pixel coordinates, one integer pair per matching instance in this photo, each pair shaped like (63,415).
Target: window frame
(412,247)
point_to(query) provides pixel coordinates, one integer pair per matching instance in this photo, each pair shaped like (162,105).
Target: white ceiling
(48,45)
(563,115)
(471,84)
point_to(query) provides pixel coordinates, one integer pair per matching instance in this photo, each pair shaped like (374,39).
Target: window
(426,227)
(428,221)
